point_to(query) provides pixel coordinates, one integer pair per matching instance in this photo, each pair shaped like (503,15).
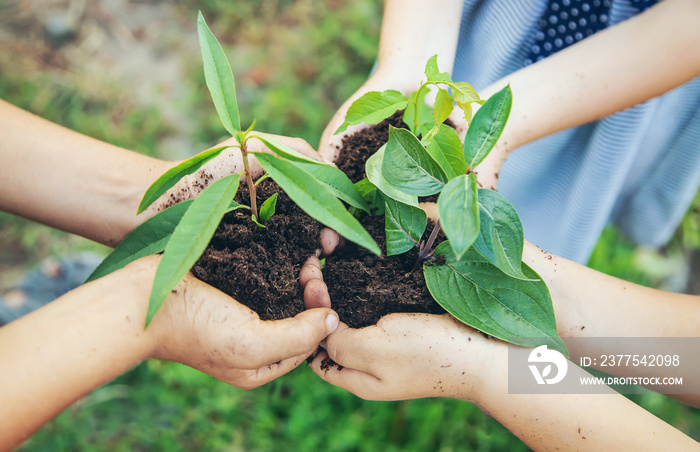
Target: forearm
(614,69)
(70,181)
(57,354)
(575,421)
(413,31)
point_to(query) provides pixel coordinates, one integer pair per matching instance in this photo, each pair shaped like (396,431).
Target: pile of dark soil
(260,267)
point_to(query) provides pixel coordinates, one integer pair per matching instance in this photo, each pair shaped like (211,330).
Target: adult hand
(203,328)
(408,356)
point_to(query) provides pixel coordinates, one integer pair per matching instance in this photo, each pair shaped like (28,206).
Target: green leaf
(478,294)
(373,107)
(373,169)
(372,196)
(446,149)
(467,109)
(316,200)
(174,174)
(337,182)
(417,105)
(433,73)
(404,226)
(285,151)
(443,106)
(487,126)
(190,238)
(150,237)
(463,92)
(459,212)
(268,208)
(500,233)
(219,78)
(409,167)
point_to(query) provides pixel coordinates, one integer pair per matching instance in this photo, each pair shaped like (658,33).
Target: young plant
(183,231)
(480,278)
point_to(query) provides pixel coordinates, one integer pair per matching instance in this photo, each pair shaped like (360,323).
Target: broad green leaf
(459,212)
(409,167)
(268,208)
(433,73)
(424,122)
(174,174)
(487,126)
(316,200)
(372,196)
(373,107)
(285,151)
(373,169)
(150,237)
(500,233)
(190,238)
(219,78)
(337,182)
(463,92)
(480,295)
(446,149)
(443,106)
(404,226)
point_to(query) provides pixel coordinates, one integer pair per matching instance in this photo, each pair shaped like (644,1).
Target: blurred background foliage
(129,72)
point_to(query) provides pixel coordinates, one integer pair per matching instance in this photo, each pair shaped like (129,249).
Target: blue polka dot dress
(639,168)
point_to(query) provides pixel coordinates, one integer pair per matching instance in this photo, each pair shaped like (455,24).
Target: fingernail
(331,322)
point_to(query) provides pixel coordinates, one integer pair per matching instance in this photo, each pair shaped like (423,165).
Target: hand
(228,162)
(408,356)
(203,328)
(330,144)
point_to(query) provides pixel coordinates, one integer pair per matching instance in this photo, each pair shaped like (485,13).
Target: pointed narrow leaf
(404,226)
(190,238)
(467,109)
(487,126)
(459,212)
(501,237)
(373,107)
(478,294)
(316,200)
(337,182)
(174,174)
(446,149)
(150,237)
(268,208)
(373,169)
(443,106)
(409,167)
(285,151)
(219,78)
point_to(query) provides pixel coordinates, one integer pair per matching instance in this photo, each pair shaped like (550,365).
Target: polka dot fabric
(566,22)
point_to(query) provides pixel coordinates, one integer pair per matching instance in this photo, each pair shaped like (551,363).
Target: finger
(299,335)
(316,295)
(430,209)
(310,270)
(254,378)
(330,241)
(362,384)
(349,347)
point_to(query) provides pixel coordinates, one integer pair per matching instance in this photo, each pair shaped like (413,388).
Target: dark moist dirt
(260,267)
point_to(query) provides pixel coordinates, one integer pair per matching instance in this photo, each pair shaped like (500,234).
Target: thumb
(299,335)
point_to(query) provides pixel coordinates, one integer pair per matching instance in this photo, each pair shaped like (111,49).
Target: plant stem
(424,253)
(249,179)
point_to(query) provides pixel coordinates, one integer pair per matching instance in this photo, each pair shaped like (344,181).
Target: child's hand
(408,356)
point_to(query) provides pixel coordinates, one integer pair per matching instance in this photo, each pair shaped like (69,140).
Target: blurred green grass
(295,62)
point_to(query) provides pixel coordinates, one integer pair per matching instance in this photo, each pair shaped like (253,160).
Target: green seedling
(183,231)
(479,278)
